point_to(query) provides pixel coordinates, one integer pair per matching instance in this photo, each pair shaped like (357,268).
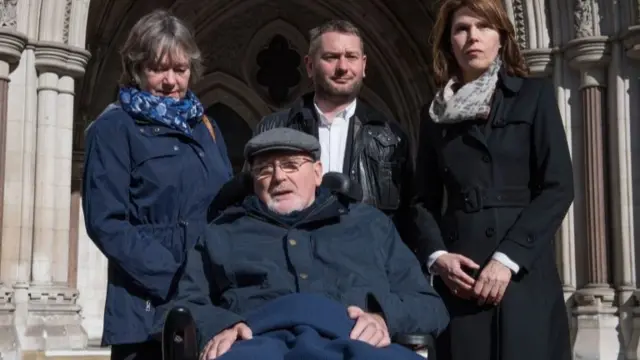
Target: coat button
(201,154)
(529,240)
(486,159)
(292,242)
(303,276)
(490,232)
(446,169)
(156,130)
(175,148)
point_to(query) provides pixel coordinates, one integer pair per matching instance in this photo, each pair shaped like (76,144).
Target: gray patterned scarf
(471,101)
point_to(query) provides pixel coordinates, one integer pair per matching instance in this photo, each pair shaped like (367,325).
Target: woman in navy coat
(154,162)
(495,182)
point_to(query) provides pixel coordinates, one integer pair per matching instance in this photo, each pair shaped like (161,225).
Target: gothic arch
(261,38)
(220,87)
(407,96)
(76,16)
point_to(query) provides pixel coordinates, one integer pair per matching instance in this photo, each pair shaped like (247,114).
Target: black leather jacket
(378,153)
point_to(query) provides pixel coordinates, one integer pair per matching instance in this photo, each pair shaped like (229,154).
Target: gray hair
(339,26)
(154,36)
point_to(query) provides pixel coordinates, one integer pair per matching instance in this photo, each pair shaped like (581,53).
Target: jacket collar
(327,207)
(508,82)
(304,114)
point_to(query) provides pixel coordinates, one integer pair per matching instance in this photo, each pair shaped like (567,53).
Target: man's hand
(492,283)
(222,342)
(449,268)
(370,328)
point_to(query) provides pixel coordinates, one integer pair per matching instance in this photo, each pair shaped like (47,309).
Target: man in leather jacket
(355,139)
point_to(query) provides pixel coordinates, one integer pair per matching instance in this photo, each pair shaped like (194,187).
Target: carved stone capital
(61,59)
(540,61)
(12,43)
(631,41)
(588,52)
(594,301)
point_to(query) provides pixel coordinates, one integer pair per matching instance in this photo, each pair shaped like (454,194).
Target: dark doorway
(235,130)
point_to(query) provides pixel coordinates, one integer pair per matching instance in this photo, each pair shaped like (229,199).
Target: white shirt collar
(346,114)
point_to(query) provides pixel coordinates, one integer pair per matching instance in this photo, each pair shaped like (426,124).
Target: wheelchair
(179,341)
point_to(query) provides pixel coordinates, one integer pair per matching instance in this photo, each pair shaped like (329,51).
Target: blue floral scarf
(180,115)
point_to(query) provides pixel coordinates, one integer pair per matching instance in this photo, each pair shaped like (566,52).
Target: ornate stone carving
(584,18)
(67,22)
(519,17)
(8,13)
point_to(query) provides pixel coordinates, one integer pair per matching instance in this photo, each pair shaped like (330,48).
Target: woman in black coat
(494,184)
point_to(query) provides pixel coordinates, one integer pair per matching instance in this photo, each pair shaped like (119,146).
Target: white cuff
(432,259)
(506,261)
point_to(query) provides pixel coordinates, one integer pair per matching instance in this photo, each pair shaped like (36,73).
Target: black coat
(508,185)
(377,156)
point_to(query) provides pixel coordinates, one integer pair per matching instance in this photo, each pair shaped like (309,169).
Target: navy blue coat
(146,191)
(350,253)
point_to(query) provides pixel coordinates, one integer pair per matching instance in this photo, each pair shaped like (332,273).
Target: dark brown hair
(444,62)
(338,26)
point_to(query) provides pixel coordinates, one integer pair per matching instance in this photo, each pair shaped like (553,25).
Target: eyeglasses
(262,171)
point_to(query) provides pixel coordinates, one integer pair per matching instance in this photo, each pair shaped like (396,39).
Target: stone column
(595,311)
(11,46)
(53,320)
(628,281)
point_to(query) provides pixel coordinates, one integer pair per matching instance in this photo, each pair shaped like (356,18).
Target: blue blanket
(305,326)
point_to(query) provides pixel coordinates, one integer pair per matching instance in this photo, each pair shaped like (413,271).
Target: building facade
(59,66)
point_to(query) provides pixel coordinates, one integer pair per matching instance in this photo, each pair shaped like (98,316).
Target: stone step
(90,354)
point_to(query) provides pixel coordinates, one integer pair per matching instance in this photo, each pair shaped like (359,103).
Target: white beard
(298,205)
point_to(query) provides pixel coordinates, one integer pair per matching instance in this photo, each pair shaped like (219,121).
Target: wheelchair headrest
(341,184)
(241,185)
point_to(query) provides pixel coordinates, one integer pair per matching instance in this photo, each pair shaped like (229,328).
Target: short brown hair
(444,61)
(339,26)
(157,31)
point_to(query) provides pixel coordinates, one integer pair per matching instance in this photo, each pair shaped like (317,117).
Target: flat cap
(282,139)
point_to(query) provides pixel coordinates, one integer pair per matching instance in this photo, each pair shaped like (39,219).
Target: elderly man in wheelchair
(297,270)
